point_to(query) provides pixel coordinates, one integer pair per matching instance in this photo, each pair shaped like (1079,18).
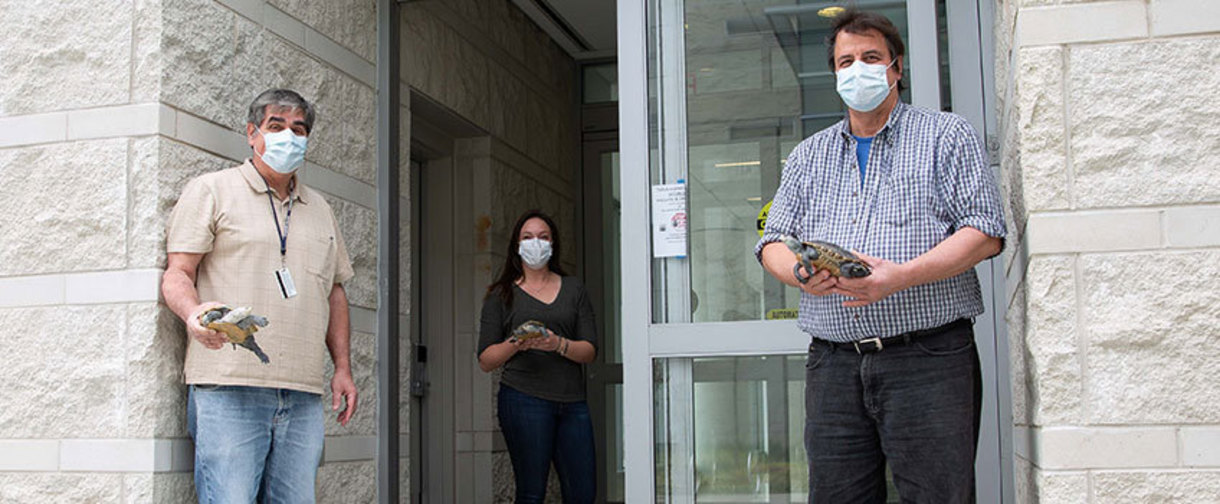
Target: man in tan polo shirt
(254,236)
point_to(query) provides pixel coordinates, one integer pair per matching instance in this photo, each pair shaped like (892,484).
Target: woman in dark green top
(542,409)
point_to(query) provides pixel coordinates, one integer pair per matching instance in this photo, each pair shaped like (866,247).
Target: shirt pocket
(818,201)
(320,263)
(903,198)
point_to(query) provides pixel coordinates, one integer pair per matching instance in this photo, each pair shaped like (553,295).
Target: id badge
(283,279)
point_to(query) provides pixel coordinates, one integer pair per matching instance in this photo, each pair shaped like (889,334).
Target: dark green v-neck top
(547,375)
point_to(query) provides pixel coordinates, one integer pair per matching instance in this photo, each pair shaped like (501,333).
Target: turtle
(815,255)
(238,325)
(528,330)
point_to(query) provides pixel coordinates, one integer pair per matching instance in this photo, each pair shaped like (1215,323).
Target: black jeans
(915,405)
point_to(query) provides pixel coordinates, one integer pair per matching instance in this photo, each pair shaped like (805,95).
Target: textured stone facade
(106,113)
(1108,159)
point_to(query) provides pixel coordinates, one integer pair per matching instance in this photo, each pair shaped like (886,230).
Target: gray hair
(286,98)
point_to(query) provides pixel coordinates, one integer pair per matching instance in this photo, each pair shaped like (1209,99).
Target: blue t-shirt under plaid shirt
(862,146)
(926,178)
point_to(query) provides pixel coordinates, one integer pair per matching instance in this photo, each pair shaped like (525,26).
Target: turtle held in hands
(528,330)
(815,255)
(238,325)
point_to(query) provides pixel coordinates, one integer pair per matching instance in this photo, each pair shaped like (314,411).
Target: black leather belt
(874,345)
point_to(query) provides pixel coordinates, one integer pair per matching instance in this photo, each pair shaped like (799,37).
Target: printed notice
(669,220)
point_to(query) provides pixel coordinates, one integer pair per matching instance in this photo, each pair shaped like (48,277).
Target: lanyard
(283,235)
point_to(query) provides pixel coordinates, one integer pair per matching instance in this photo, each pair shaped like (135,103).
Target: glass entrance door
(714,95)
(602,208)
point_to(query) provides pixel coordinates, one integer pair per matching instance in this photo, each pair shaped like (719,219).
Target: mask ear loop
(899,72)
(887,70)
(260,156)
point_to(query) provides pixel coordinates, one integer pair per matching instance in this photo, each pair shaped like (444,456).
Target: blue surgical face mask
(534,252)
(284,151)
(863,86)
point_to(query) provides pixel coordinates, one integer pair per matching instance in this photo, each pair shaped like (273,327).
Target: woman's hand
(496,355)
(548,343)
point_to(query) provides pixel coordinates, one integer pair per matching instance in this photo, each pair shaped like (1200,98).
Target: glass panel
(744,438)
(600,83)
(612,210)
(616,468)
(724,71)
(734,87)
(942,43)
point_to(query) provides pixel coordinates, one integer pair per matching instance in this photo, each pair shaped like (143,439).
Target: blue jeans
(255,443)
(537,432)
(915,405)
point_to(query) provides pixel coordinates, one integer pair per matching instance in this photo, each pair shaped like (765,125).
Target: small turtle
(815,255)
(528,330)
(238,325)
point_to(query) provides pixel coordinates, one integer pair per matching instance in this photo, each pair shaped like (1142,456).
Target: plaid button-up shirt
(926,178)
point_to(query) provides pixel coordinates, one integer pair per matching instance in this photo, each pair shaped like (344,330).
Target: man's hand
(208,337)
(821,283)
(343,387)
(887,278)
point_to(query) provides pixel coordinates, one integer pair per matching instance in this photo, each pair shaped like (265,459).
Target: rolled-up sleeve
(969,189)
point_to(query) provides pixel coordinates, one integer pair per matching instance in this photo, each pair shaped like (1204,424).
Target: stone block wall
(1110,164)
(106,112)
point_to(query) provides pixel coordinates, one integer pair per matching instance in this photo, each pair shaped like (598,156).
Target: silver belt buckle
(876,341)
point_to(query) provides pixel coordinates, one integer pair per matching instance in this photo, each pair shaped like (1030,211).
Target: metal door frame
(644,340)
(599,373)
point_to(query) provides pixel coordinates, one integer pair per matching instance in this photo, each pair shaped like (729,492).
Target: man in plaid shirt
(892,373)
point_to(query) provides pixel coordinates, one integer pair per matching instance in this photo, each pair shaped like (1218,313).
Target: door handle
(419,375)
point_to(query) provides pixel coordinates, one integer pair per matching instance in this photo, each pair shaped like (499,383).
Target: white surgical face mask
(284,151)
(535,252)
(863,86)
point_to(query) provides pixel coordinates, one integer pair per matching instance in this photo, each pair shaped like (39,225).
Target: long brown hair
(512,270)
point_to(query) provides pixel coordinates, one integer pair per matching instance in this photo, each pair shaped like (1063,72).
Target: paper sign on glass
(669,220)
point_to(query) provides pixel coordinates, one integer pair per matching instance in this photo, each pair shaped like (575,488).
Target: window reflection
(745,434)
(741,420)
(600,83)
(757,83)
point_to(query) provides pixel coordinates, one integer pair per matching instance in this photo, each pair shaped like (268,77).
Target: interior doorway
(604,376)
(442,356)
(600,212)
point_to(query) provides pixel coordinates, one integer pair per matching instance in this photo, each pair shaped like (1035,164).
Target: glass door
(602,209)
(714,95)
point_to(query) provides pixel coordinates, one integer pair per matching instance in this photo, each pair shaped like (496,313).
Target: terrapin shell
(238,325)
(528,330)
(838,261)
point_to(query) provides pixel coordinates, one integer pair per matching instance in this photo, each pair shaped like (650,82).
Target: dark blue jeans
(537,432)
(916,406)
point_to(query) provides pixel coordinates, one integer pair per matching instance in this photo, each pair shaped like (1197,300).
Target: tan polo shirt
(226,216)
